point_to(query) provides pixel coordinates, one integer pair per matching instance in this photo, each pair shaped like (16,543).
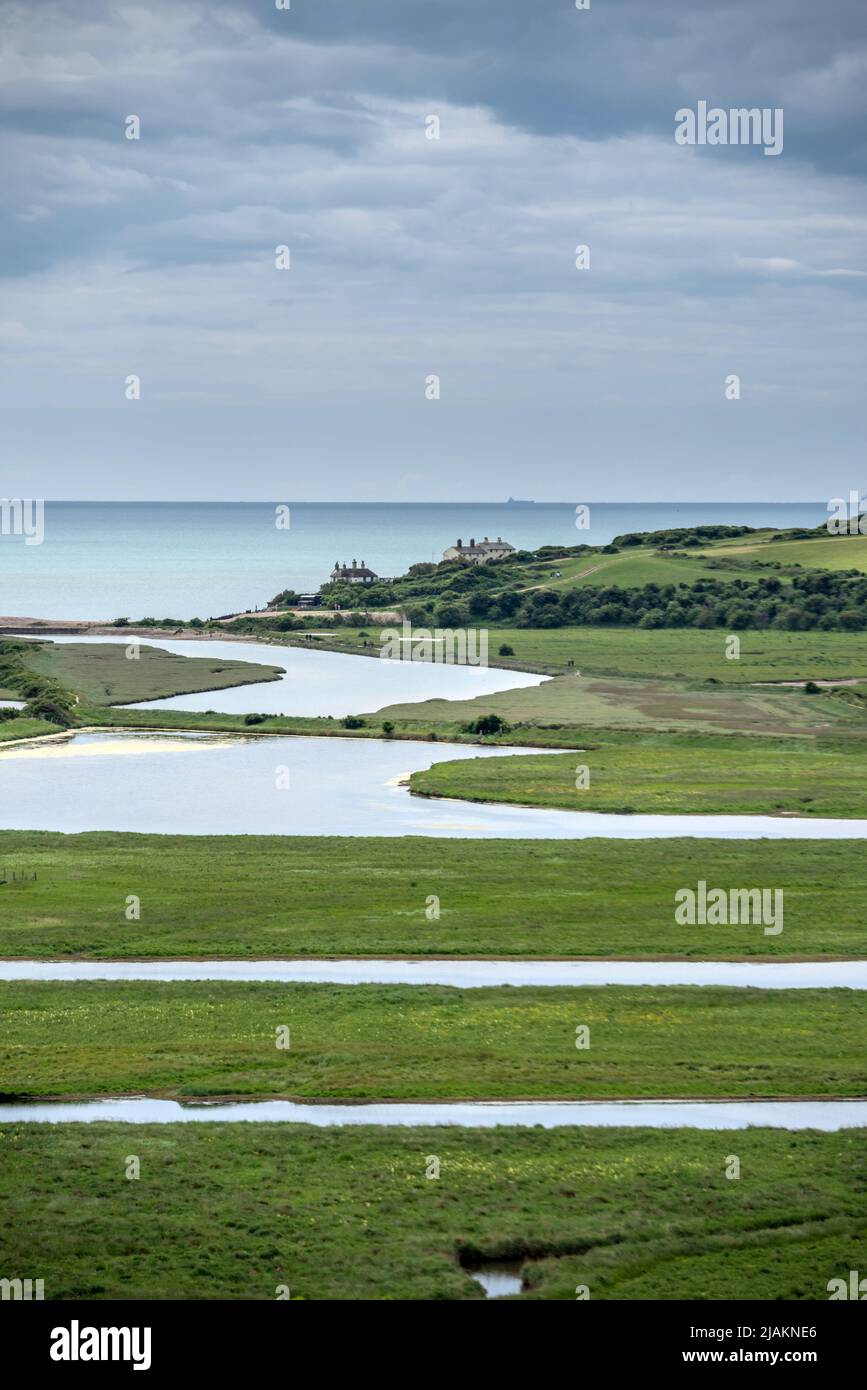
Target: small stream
(825,1115)
(461,974)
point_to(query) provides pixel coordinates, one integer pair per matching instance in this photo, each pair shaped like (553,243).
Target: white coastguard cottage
(479,553)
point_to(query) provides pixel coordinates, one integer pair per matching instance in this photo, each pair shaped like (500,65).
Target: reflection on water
(314,786)
(462,974)
(498,1278)
(255,785)
(666,1114)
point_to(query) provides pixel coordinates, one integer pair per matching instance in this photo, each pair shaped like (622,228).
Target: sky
(413,258)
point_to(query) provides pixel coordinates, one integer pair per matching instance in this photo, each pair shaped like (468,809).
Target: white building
(478,553)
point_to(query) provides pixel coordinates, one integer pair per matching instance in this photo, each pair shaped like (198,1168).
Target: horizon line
(387,502)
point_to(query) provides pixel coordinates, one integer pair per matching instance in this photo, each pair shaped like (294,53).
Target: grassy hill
(822,552)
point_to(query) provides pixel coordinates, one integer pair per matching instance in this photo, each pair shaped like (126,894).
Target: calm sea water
(202,559)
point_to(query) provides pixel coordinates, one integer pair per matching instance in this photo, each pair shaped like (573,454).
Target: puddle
(498,1278)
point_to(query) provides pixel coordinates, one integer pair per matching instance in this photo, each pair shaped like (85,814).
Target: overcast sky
(411,257)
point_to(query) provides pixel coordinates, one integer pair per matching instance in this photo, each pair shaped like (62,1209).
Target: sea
(106,560)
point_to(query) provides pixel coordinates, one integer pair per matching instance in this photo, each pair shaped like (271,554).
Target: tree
(488,724)
(452,614)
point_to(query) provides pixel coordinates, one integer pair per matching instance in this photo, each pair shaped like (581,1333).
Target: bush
(255,718)
(387,728)
(352,721)
(811,688)
(44,708)
(487,724)
(506,650)
(451,615)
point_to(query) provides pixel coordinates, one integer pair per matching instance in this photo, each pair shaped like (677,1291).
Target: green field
(237,1211)
(596,702)
(825,552)
(264,896)
(688,653)
(103,674)
(675,774)
(695,654)
(638,565)
(413,1042)
(429,728)
(13,729)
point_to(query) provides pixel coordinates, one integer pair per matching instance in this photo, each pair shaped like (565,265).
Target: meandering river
(321,682)
(213,785)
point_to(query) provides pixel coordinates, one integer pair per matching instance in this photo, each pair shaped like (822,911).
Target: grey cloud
(307,127)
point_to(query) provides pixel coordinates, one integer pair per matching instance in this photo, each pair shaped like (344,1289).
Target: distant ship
(520,502)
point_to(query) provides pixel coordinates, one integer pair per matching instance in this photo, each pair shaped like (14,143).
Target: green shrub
(487,724)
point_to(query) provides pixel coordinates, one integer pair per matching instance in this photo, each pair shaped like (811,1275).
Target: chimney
(472,540)
(460,542)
